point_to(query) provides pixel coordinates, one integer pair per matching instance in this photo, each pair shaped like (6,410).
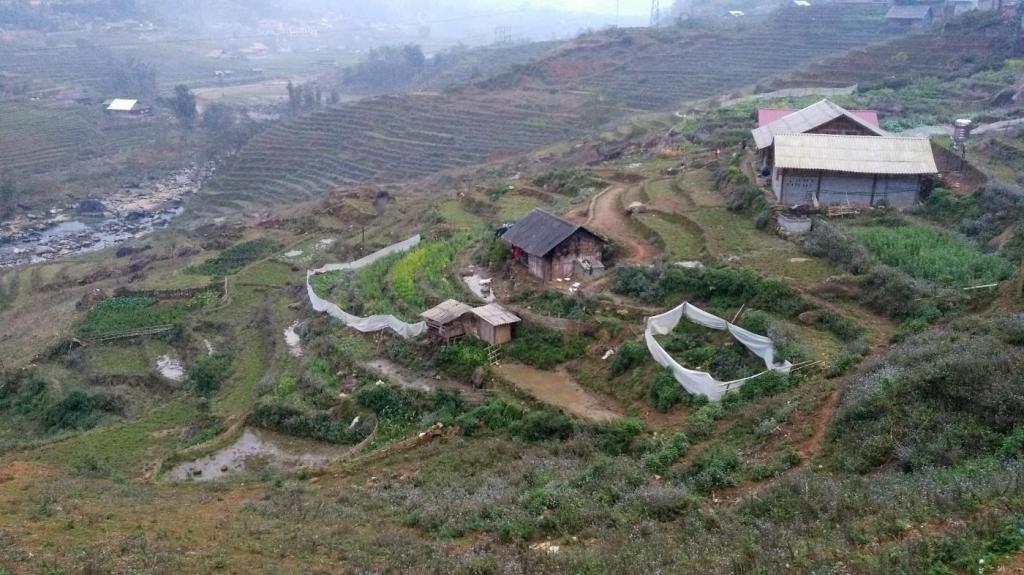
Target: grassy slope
(474,504)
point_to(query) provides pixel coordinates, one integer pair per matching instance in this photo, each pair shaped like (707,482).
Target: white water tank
(961,131)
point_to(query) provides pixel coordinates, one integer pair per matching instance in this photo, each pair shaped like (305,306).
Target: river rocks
(90,206)
(134,210)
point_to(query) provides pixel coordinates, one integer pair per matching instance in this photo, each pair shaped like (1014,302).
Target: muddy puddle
(263,448)
(558,388)
(171,368)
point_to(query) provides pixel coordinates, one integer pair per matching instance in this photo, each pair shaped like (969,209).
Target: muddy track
(606,215)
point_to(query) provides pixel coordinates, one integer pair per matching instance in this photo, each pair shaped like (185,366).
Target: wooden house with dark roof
(552,247)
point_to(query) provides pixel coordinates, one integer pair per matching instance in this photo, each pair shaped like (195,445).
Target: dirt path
(607,216)
(560,389)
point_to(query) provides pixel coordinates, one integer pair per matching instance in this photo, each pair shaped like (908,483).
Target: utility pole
(655,13)
(617,3)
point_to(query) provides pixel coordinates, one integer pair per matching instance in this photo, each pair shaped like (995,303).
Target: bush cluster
(721,287)
(318,425)
(206,375)
(631,354)
(462,358)
(937,399)
(545,348)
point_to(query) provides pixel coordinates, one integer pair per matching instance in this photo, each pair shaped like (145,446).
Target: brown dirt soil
(1014,565)
(558,388)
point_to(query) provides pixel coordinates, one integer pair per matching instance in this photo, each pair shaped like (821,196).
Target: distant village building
(552,247)
(910,16)
(825,170)
(123,106)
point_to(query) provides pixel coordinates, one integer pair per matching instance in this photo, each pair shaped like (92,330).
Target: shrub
(386,401)
(461,359)
(842,363)
(207,374)
(765,385)
(662,457)
(318,425)
(666,392)
(80,410)
(545,348)
(496,414)
(826,240)
(616,437)
(723,287)
(702,422)
(756,321)
(715,468)
(839,325)
(541,425)
(630,355)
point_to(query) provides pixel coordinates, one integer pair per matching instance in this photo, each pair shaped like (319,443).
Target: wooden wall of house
(580,244)
(540,267)
(842,126)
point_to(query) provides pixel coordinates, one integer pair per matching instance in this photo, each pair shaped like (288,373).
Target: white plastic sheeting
(700,382)
(373,323)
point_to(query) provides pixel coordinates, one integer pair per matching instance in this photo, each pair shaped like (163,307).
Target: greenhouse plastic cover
(700,382)
(373,323)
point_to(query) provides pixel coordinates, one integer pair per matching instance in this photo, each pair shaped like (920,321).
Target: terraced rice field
(388,139)
(403,137)
(962,47)
(664,75)
(34,138)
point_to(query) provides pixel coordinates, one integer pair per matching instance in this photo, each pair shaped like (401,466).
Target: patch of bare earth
(558,388)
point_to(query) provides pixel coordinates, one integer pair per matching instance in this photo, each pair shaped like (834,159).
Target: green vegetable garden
(926,253)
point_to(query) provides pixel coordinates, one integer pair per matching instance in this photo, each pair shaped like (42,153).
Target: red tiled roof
(766,116)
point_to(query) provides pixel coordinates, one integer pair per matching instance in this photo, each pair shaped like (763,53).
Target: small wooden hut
(445,321)
(492,323)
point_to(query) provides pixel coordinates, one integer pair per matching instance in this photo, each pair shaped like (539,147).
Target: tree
(133,77)
(184,105)
(218,118)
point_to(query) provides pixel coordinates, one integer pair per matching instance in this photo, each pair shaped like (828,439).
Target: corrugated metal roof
(540,232)
(446,312)
(908,12)
(121,105)
(496,315)
(855,154)
(807,119)
(766,116)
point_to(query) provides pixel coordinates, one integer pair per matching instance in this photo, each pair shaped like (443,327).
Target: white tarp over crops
(700,382)
(373,323)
